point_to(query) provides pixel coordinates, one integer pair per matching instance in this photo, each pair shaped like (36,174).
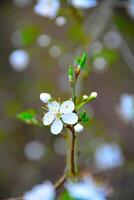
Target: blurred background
(38,41)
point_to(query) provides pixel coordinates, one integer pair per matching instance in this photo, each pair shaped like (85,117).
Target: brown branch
(60,182)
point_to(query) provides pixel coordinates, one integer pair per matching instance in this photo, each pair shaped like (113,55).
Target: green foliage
(125,25)
(29,34)
(81,61)
(71,73)
(29,117)
(65,196)
(84,117)
(109,55)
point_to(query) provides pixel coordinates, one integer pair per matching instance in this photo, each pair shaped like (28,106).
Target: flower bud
(78,128)
(45,97)
(94,95)
(85,97)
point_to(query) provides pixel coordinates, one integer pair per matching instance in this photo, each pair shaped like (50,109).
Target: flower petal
(56,126)
(67,107)
(70,118)
(48,118)
(53,106)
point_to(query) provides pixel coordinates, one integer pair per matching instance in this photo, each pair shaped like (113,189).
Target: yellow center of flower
(58,115)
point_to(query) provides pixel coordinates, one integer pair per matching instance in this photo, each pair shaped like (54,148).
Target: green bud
(83,60)
(71,73)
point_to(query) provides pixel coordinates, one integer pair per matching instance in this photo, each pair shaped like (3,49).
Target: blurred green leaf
(71,73)
(29,117)
(65,196)
(84,117)
(29,34)
(110,55)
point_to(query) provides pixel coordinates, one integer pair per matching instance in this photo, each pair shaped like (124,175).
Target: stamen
(45,108)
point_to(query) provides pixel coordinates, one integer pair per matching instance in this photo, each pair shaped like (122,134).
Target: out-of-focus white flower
(87,189)
(85,4)
(47,8)
(100,64)
(60,21)
(43,191)
(78,128)
(59,113)
(108,156)
(19,60)
(45,97)
(130,8)
(112,40)
(55,51)
(22,3)
(34,150)
(96,47)
(44,40)
(126,107)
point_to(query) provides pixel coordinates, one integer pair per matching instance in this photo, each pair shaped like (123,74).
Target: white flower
(85,4)
(126,107)
(45,97)
(86,190)
(47,8)
(19,60)
(43,191)
(78,128)
(108,156)
(57,114)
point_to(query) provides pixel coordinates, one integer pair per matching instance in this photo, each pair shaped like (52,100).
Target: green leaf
(83,60)
(71,73)
(29,34)
(84,117)
(65,196)
(29,117)
(110,55)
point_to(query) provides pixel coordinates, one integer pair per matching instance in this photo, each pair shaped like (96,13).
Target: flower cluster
(59,114)
(86,189)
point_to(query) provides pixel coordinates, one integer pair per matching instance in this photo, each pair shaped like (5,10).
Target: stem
(72,165)
(60,181)
(74,93)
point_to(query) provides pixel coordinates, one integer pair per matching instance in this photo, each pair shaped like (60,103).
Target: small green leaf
(83,60)
(71,73)
(29,117)
(65,196)
(84,117)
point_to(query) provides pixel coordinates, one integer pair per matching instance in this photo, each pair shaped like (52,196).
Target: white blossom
(87,189)
(47,8)
(58,114)
(108,156)
(78,128)
(45,97)
(85,4)
(19,60)
(43,191)
(125,107)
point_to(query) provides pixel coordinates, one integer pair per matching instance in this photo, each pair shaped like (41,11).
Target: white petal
(56,126)
(78,128)
(53,106)
(67,107)
(70,118)
(45,97)
(48,118)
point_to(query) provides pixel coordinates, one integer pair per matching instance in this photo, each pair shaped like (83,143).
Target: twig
(60,182)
